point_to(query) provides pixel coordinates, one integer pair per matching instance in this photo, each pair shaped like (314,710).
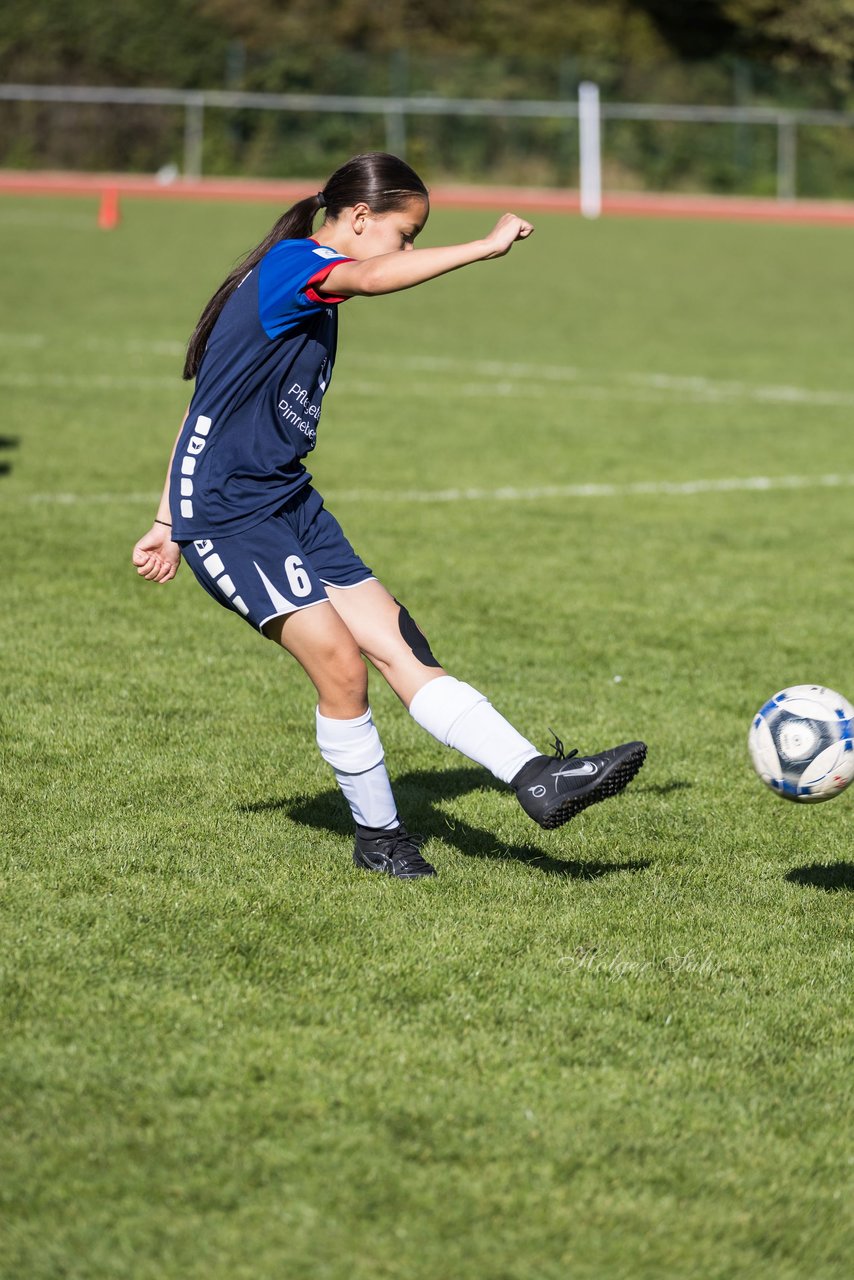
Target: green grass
(622,1049)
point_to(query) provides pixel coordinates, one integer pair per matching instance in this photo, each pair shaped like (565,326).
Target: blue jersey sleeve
(286,279)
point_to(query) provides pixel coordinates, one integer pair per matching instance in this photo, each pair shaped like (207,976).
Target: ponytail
(383,182)
(295,224)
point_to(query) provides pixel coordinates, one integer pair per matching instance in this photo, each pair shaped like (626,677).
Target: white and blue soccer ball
(801,743)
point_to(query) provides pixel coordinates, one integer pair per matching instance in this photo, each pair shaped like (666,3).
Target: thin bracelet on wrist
(166,522)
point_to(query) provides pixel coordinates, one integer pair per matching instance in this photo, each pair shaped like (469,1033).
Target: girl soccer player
(239,505)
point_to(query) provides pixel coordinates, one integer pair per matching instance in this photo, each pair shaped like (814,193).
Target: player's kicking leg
(551,789)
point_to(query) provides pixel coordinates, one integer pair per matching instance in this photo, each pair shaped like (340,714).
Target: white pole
(194,134)
(590,149)
(787,158)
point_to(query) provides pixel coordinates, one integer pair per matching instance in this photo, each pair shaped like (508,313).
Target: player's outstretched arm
(155,556)
(391,272)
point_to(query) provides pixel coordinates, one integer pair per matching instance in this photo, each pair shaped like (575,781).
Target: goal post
(590,149)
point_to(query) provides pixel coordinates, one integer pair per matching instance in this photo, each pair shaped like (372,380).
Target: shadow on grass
(663,788)
(833,878)
(7,442)
(327,812)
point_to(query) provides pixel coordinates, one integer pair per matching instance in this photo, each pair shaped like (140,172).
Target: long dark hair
(383,182)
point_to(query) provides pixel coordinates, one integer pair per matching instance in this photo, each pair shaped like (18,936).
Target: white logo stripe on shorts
(279,602)
(215,567)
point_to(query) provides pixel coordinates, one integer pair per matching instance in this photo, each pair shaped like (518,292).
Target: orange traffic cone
(108,213)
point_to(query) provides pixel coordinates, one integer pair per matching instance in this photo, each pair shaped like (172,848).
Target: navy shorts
(282,564)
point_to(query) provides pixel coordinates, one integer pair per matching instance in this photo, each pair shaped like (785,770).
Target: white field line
(712,388)
(509,493)
(169,348)
(676,386)
(494,378)
(705,388)
(499,390)
(19,381)
(84,499)
(643,488)
(638,393)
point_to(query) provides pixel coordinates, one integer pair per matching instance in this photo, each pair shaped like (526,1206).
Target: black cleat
(396,854)
(553,789)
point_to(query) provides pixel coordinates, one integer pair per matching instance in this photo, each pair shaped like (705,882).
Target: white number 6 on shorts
(299,581)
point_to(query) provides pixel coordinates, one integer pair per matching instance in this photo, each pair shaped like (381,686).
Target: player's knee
(341,679)
(345,668)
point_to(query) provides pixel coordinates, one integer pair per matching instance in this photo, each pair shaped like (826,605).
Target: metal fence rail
(395,110)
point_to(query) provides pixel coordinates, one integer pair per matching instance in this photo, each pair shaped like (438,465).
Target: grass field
(623,1049)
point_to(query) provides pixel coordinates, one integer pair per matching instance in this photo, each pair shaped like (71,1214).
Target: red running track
(521,199)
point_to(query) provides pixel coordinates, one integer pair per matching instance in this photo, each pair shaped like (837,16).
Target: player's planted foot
(553,789)
(396,853)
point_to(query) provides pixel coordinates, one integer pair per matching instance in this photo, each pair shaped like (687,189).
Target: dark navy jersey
(256,407)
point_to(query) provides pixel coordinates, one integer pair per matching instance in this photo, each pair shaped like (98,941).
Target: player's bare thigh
(373,618)
(322,644)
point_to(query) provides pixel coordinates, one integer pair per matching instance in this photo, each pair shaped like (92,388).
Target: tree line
(792,53)
(263,44)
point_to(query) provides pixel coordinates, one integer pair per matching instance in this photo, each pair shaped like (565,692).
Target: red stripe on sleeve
(319,277)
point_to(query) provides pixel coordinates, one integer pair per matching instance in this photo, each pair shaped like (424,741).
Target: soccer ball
(802,743)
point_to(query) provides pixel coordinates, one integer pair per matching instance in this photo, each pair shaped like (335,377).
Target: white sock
(354,750)
(462,718)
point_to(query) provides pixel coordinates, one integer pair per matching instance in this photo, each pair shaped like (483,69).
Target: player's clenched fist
(156,557)
(508,229)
